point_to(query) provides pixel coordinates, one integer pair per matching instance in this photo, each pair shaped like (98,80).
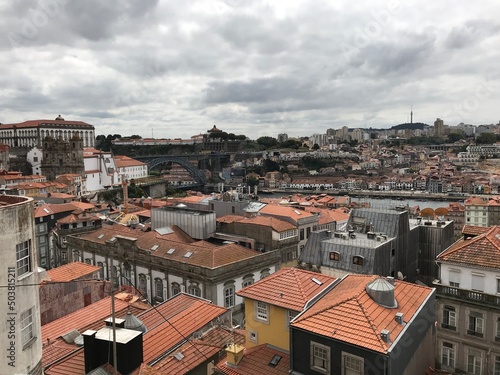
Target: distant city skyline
(259,68)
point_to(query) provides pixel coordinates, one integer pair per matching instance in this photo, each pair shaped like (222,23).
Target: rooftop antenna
(411,115)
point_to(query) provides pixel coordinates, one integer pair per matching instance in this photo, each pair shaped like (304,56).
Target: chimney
(385,335)
(98,348)
(234,354)
(399,318)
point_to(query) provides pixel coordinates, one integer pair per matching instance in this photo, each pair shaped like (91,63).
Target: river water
(385,203)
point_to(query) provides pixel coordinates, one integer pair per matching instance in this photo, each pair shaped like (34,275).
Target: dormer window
(335,256)
(357,260)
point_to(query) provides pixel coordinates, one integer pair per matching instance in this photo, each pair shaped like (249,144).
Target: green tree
(486,139)
(252,181)
(267,142)
(316,146)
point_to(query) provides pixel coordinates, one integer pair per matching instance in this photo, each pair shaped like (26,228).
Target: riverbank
(389,194)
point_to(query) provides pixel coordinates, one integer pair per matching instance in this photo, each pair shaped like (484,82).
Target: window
(290,316)
(176,289)
(474,362)
(497,365)
(334,256)
(143,283)
(23,255)
(449,318)
(159,289)
(114,276)
(265,273)
(229,295)
(352,365)
(498,286)
(448,354)
(497,336)
(301,235)
(88,260)
(194,290)
(477,282)
(27,331)
(454,278)
(308,232)
(252,336)
(320,358)
(475,324)
(261,311)
(247,280)
(357,260)
(101,270)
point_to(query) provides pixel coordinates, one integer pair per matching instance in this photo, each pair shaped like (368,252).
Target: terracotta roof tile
(348,314)
(480,251)
(203,253)
(72,271)
(256,361)
(267,221)
(290,288)
(474,230)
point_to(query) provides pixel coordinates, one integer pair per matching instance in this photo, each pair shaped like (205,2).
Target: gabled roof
(196,351)
(347,313)
(71,271)
(481,251)
(122,161)
(285,211)
(256,361)
(175,246)
(276,224)
(474,230)
(289,288)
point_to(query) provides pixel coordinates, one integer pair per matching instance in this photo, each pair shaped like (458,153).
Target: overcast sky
(175,68)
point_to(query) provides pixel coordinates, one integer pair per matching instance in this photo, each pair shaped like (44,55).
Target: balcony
(466,295)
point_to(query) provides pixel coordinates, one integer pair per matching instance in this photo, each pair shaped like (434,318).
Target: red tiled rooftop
(267,221)
(347,313)
(480,251)
(256,361)
(289,288)
(474,230)
(203,253)
(71,271)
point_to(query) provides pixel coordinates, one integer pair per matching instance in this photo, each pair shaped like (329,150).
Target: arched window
(176,289)
(247,280)
(143,285)
(357,260)
(158,289)
(114,276)
(229,294)
(334,256)
(101,270)
(265,273)
(127,274)
(194,290)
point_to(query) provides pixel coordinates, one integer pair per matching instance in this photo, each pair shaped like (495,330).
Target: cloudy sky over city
(175,68)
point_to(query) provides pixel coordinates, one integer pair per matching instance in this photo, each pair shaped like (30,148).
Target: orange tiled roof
(480,251)
(347,313)
(169,333)
(196,351)
(71,271)
(290,288)
(256,361)
(83,318)
(125,161)
(474,230)
(285,211)
(267,221)
(203,253)
(36,123)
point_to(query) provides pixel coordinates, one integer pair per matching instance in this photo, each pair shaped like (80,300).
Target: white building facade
(20,329)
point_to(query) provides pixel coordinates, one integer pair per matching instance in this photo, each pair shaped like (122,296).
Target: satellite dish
(400,276)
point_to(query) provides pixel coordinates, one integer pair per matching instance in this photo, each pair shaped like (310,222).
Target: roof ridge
(299,284)
(464,243)
(370,322)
